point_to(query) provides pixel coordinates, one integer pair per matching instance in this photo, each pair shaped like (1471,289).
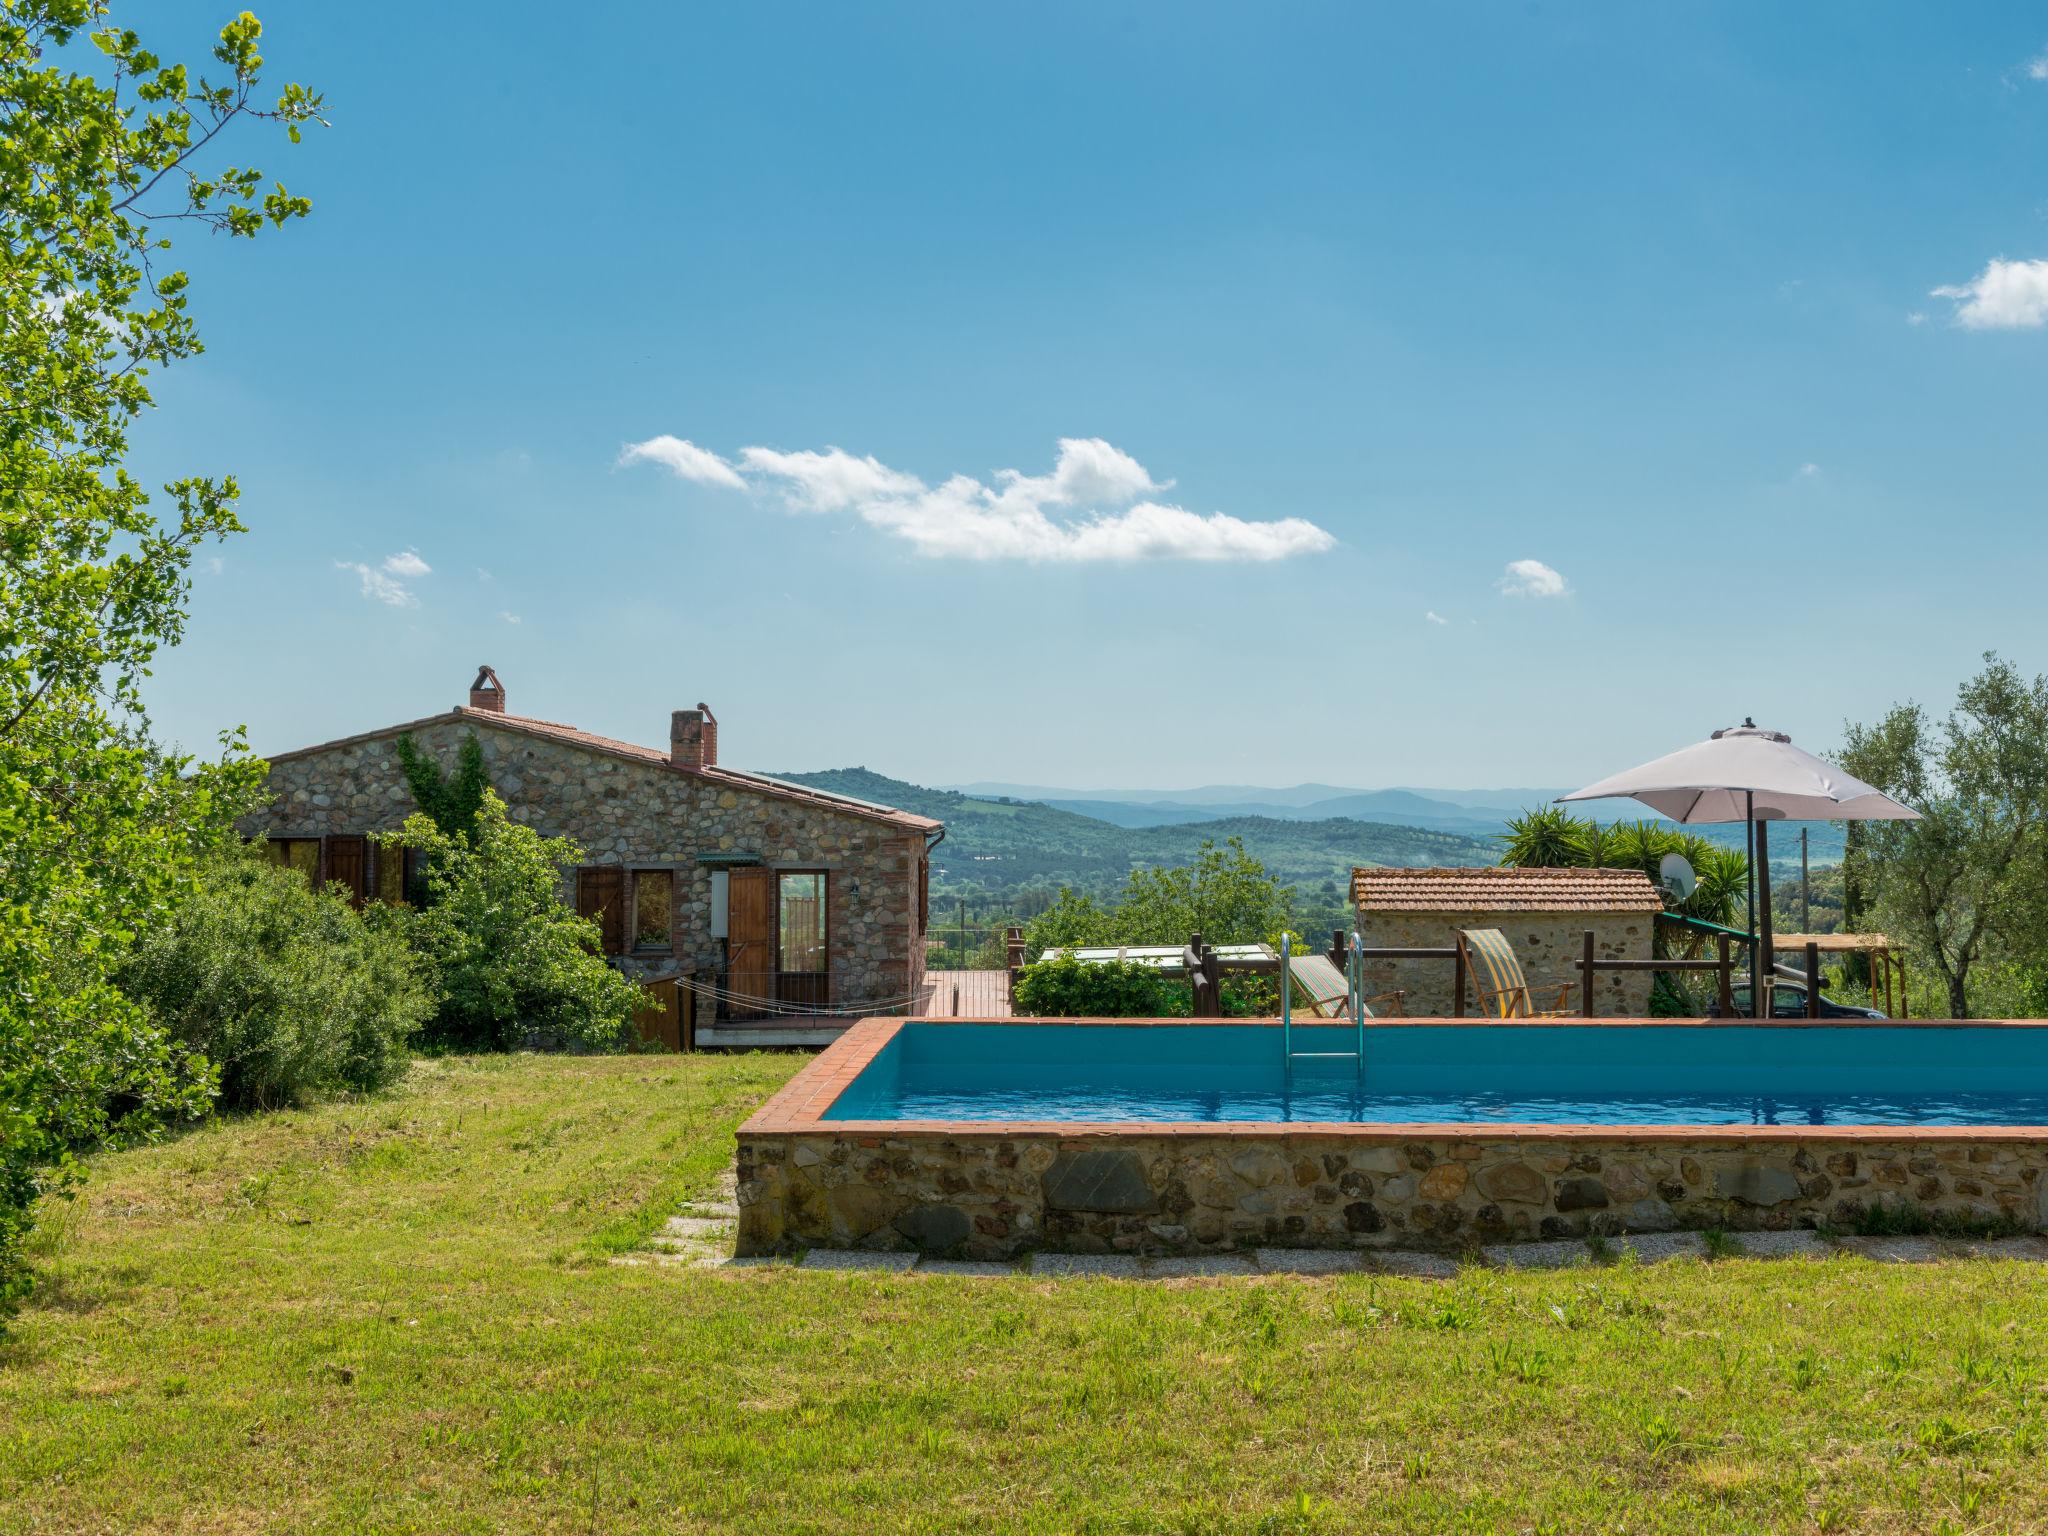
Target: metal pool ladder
(1354,979)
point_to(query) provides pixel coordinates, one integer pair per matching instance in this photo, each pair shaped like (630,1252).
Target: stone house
(1544,912)
(770,891)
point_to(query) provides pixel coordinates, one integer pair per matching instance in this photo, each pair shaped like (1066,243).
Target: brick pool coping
(799,1107)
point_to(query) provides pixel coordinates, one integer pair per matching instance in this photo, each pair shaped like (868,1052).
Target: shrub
(511,964)
(1064,987)
(287,990)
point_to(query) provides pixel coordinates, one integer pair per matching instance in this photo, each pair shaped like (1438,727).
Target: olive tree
(1971,876)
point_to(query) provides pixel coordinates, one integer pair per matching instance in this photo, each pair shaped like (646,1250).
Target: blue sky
(1643,295)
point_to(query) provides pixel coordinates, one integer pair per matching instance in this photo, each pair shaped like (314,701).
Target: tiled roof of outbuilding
(1505,890)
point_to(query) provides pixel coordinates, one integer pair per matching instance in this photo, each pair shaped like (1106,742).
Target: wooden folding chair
(1499,980)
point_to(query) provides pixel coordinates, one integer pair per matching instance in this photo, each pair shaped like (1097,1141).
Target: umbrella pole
(1765,952)
(1749,858)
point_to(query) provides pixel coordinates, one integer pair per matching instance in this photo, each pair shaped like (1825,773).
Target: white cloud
(379,586)
(1531,578)
(1103,494)
(215,565)
(1916,317)
(1435,618)
(2037,67)
(1089,473)
(1808,471)
(510,618)
(683,459)
(2005,296)
(386,581)
(832,481)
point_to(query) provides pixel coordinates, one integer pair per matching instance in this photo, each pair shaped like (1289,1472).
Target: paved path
(701,1237)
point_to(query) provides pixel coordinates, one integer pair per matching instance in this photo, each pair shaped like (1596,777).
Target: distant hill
(996,847)
(1471,813)
(1392,807)
(1296,797)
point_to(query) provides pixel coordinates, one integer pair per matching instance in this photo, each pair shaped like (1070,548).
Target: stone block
(1758,1184)
(1106,1179)
(934,1228)
(1446,1181)
(1514,1184)
(1583,1193)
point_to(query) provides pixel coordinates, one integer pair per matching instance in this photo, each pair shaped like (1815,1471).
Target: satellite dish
(1675,874)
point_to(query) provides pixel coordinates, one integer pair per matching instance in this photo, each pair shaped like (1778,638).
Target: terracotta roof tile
(1505,890)
(555,731)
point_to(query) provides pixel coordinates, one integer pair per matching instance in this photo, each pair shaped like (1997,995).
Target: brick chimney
(693,738)
(487,692)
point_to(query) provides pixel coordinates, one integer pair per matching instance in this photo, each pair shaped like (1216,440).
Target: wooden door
(750,935)
(658,1018)
(601,897)
(348,861)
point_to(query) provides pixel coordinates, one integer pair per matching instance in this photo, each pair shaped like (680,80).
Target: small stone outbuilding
(768,891)
(1544,912)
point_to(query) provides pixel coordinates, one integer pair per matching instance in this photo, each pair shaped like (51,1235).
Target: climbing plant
(451,803)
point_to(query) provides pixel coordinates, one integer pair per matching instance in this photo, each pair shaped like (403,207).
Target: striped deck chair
(1498,978)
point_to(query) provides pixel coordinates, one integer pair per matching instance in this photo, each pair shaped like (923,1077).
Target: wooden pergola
(1887,963)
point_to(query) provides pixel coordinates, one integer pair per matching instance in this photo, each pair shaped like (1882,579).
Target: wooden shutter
(347,861)
(601,897)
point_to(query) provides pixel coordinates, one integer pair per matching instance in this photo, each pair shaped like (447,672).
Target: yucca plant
(1594,846)
(1723,892)
(1552,837)
(1540,838)
(1639,845)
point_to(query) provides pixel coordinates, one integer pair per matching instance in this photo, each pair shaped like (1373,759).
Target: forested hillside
(1000,848)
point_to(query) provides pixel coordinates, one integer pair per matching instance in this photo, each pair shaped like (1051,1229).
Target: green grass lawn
(402,1316)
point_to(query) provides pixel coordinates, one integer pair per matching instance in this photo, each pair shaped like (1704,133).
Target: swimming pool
(991,1139)
(1428,1074)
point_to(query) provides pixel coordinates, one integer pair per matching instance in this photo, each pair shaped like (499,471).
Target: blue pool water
(1647,1075)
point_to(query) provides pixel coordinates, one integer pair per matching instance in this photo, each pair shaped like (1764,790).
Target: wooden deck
(964,995)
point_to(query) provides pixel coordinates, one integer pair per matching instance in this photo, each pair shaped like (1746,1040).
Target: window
(801,912)
(393,889)
(653,907)
(300,853)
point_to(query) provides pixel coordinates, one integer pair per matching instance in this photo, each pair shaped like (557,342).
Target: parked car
(1789,1002)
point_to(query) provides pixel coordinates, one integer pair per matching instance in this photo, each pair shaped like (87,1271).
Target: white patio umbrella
(1745,774)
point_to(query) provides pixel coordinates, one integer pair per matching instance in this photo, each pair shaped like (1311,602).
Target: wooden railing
(1722,964)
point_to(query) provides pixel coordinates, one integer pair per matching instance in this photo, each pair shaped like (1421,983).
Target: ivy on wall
(451,803)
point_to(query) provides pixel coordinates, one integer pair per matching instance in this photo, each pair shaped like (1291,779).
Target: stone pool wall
(999,1193)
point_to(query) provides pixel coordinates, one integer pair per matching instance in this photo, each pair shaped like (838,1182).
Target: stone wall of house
(643,816)
(1548,943)
(988,1195)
